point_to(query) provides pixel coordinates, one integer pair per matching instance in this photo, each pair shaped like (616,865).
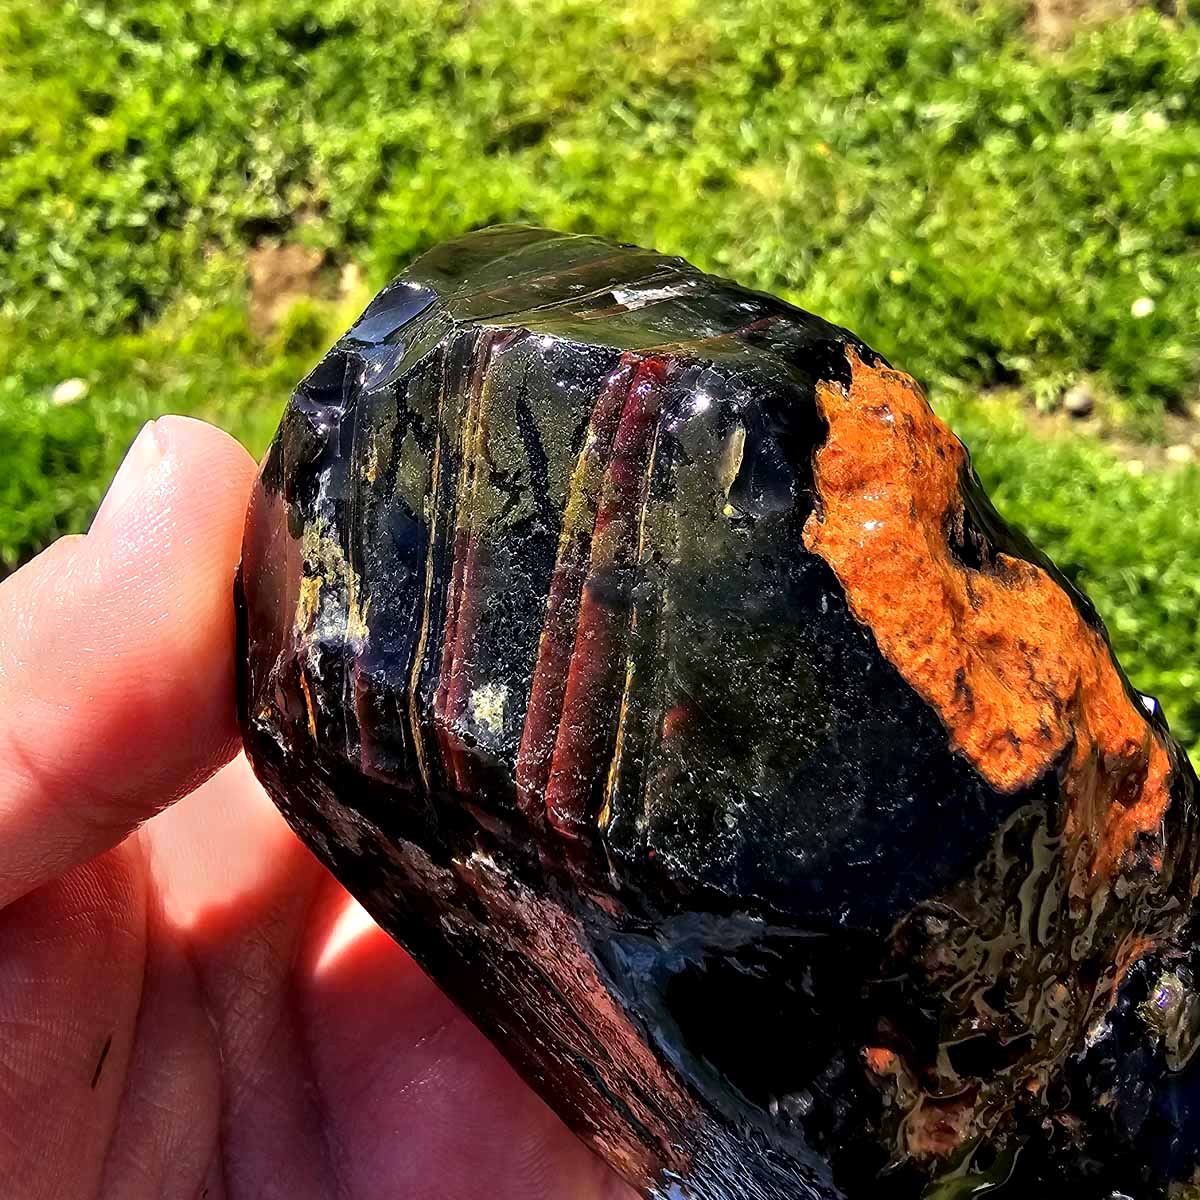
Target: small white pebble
(68,392)
(1143,306)
(1180,454)
(1079,400)
(1135,466)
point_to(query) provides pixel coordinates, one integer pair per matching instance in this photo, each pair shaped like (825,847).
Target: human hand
(189,1005)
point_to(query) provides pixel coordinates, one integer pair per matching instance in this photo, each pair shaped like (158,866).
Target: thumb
(116,656)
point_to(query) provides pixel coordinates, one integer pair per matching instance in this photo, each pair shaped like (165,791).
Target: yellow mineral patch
(614,766)
(414,711)
(308,703)
(732,453)
(323,552)
(372,468)
(356,619)
(488,703)
(308,602)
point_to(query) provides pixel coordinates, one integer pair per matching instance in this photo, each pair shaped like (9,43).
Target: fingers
(70,992)
(383,1040)
(237,888)
(116,656)
(225,849)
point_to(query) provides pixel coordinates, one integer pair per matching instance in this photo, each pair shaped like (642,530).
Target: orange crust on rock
(1016,674)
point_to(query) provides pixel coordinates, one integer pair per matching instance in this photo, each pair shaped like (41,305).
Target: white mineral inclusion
(638,297)
(487,706)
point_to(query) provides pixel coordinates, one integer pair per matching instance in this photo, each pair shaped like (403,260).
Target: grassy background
(987,210)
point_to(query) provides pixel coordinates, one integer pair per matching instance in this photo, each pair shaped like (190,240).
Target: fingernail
(141,460)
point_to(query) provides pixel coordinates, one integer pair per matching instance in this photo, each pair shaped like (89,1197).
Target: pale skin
(189,1005)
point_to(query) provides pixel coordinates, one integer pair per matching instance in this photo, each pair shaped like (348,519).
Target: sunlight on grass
(983,210)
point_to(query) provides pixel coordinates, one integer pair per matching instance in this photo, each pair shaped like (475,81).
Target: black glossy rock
(644,655)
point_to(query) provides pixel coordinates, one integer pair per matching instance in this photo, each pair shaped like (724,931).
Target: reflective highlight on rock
(643,654)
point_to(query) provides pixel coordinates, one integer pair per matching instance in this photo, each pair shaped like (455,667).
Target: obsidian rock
(644,655)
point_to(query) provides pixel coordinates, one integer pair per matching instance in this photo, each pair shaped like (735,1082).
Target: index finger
(116,656)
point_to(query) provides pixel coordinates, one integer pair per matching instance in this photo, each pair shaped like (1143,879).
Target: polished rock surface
(644,655)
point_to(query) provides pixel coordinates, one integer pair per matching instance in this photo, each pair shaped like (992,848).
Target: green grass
(984,211)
